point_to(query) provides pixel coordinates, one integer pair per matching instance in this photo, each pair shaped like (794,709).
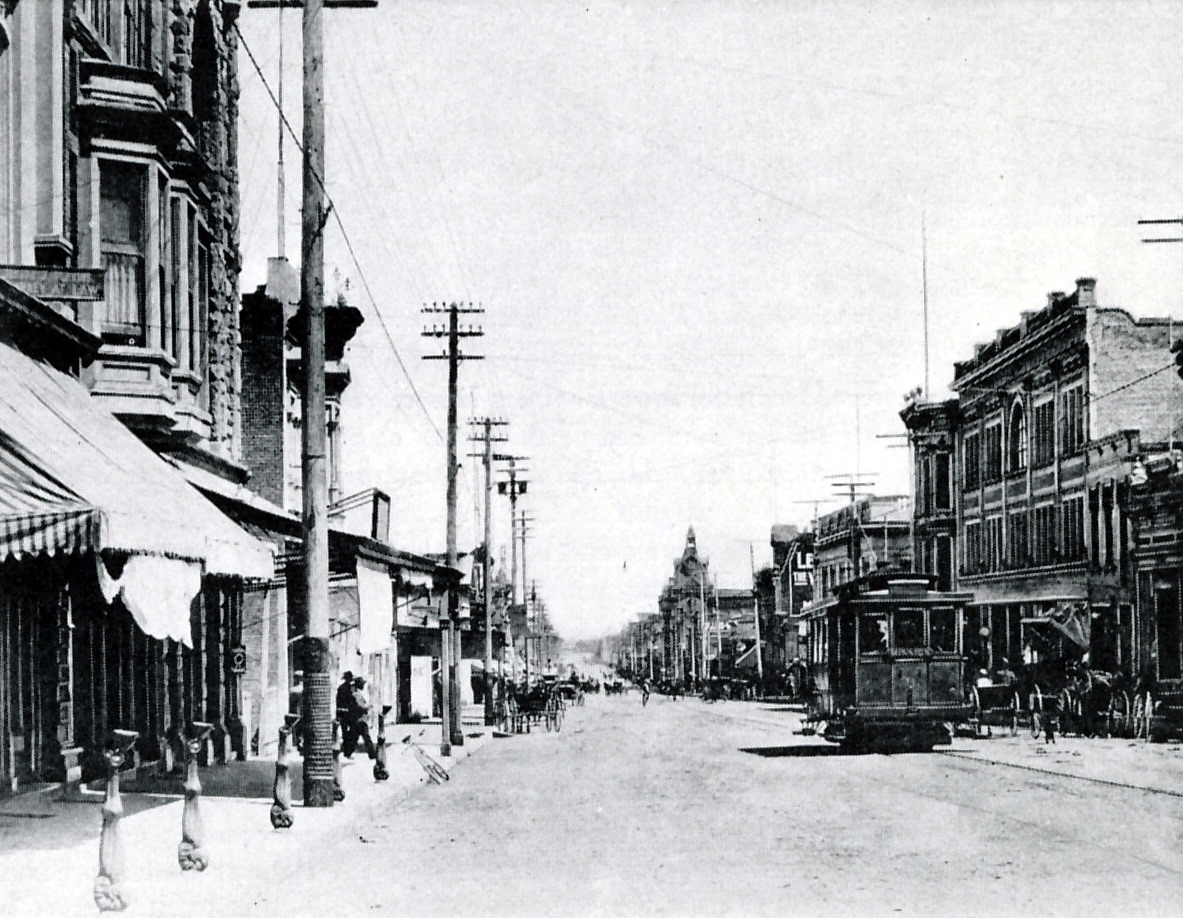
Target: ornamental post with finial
(281,809)
(380,771)
(108,889)
(191,853)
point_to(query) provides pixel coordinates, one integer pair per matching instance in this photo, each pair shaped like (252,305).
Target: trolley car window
(909,628)
(942,625)
(872,637)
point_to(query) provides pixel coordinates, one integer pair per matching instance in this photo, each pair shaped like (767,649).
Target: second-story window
(993,453)
(972,456)
(1072,516)
(942,499)
(1043,434)
(124,27)
(1018,551)
(122,228)
(1044,545)
(1072,428)
(1017,439)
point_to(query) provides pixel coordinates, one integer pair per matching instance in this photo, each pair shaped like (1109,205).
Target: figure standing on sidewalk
(360,722)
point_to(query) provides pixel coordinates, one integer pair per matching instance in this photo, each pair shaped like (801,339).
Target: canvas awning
(74,478)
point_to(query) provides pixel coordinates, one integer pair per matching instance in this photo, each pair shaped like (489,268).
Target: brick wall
(1123,350)
(263,397)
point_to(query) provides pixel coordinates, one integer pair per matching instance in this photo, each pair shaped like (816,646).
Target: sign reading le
(56,283)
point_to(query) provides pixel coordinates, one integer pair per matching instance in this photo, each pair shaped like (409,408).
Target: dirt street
(686,808)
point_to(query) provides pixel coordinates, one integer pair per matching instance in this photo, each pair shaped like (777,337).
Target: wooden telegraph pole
(513,486)
(450,630)
(487,424)
(317,695)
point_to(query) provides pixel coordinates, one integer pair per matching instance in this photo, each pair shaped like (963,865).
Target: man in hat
(361,720)
(347,714)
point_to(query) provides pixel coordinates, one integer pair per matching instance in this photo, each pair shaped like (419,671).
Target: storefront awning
(74,478)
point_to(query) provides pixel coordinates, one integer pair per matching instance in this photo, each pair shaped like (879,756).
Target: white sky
(696,230)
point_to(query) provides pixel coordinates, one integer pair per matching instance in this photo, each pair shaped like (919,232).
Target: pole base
(319,792)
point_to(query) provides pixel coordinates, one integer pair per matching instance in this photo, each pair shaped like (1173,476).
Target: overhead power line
(344,233)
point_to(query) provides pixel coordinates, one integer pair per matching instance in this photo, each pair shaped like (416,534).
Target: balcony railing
(124,320)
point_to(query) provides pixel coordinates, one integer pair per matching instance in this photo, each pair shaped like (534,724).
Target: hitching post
(191,853)
(281,809)
(380,772)
(108,895)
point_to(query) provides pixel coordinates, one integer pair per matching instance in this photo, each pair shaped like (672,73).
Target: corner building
(1050,419)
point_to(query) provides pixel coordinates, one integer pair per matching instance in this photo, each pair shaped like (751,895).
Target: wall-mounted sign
(56,283)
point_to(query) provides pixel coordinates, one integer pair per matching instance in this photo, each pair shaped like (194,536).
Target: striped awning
(74,478)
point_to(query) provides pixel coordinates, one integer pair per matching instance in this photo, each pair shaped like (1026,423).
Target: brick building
(1051,417)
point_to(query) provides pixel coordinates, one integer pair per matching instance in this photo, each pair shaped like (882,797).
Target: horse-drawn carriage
(527,706)
(1083,701)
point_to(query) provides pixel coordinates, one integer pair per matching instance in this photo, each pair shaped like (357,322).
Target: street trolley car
(885,663)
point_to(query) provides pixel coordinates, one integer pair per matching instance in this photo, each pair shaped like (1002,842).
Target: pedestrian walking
(361,721)
(1051,723)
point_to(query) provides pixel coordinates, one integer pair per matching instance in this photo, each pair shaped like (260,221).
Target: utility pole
(487,561)
(452,734)
(513,486)
(317,696)
(857,485)
(527,593)
(756,608)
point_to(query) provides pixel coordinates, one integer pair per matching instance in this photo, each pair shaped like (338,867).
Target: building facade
(1051,418)
(684,603)
(118,252)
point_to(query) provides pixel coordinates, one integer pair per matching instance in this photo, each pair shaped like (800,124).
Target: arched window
(1017,438)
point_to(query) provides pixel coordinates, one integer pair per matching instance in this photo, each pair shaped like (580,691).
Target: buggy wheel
(1143,711)
(1035,705)
(975,713)
(1117,715)
(1068,705)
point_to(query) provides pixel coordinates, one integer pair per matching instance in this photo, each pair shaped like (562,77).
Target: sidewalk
(49,849)
(1154,767)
